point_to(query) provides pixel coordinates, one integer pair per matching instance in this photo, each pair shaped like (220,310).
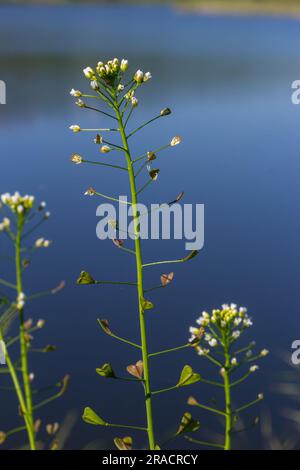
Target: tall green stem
(228,424)
(23,345)
(140,286)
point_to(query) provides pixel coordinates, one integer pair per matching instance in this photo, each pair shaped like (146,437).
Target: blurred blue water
(227,81)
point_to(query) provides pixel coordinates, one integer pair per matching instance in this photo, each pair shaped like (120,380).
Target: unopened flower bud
(124,65)
(264,352)
(94,85)
(105,149)
(5,224)
(165,112)
(138,76)
(42,206)
(40,323)
(120,87)
(88,72)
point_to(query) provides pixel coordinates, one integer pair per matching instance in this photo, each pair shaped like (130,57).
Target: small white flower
(222,372)
(80,103)
(88,72)
(243,310)
(20,209)
(75,128)
(202,321)
(147,76)
(236,334)
(234,361)
(5,198)
(75,93)
(175,141)
(47,215)
(213,342)
(39,243)
(237,321)
(120,87)
(202,351)
(134,102)
(247,322)
(31,376)
(47,243)
(253,368)
(260,396)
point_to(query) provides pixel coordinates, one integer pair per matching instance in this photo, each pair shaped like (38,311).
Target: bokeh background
(228,81)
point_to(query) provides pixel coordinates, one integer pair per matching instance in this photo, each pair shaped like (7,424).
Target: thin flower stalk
(222,328)
(106,80)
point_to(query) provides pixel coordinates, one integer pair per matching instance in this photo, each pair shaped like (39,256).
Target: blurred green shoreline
(238,7)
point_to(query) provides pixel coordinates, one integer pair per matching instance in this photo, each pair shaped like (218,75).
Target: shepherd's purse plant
(117,99)
(219,331)
(21,218)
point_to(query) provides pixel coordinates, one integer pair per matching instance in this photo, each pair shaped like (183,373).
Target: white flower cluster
(228,318)
(111,73)
(17,203)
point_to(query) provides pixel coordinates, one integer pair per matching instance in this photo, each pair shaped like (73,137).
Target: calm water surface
(227,81)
